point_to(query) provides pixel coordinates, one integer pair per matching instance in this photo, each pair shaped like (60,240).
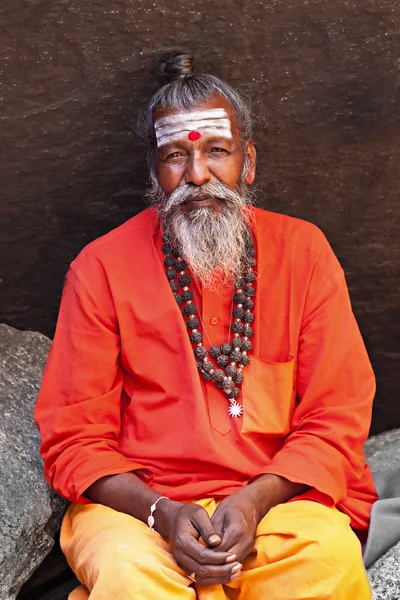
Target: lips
(199,199)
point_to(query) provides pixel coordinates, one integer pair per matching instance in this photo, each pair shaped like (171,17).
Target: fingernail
(235,576)
(214,539)
(231,558)
(237,568)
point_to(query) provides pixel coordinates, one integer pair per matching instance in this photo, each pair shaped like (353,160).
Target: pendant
(235,410)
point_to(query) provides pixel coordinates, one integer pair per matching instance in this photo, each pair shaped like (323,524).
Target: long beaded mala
(230,358)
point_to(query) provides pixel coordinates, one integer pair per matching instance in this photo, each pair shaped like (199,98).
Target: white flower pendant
(235,410)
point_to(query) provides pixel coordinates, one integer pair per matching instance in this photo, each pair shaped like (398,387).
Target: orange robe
(121,391)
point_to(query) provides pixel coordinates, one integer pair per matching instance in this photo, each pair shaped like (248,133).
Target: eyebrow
(182,142)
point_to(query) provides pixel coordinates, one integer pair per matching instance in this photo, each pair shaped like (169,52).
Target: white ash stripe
(221,132)
(194,126)
(211,122)
(216,113)
(180,132)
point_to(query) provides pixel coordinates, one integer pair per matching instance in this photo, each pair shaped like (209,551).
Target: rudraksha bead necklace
(230,358)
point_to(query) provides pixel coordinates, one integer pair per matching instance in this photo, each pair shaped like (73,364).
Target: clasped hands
(228,536)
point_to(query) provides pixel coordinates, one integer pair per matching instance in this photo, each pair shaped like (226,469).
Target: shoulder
(119,243)
(104,264)
(129,233)
(298,238)
(303,234)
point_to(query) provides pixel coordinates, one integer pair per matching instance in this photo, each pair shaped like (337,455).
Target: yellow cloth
(303,551)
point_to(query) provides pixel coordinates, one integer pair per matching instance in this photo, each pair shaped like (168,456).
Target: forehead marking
(194,135)
(212,122)
(214,113)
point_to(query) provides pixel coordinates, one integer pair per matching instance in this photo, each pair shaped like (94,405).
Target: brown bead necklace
(230,358)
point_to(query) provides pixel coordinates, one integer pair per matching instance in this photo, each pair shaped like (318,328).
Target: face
(216,155)
(201,188)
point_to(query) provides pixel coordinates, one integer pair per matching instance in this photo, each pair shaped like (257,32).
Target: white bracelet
(150,519)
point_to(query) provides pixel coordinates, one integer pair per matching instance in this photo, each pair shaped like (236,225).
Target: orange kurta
(121,390)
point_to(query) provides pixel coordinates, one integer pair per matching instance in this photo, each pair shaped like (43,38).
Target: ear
(252,158)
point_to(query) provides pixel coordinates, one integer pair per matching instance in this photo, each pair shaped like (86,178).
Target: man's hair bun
(177,65)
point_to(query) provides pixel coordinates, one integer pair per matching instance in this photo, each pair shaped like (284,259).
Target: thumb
(203,524)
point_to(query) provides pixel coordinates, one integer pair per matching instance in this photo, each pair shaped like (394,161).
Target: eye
(218,150)
(173,156)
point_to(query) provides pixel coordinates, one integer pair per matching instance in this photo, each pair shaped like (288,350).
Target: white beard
(212,242)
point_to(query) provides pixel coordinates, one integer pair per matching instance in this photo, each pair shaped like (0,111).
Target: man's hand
(237,516)
(183,525)
(228,536)
(236,519)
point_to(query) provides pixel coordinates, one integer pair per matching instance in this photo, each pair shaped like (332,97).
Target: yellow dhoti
(302,551)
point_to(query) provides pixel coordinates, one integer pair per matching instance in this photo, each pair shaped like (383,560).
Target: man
(208,393)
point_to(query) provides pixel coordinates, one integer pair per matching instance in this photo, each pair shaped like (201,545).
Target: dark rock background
(324,81)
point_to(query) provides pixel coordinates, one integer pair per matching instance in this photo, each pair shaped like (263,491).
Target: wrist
(165,516)
(270,490)
(261,497)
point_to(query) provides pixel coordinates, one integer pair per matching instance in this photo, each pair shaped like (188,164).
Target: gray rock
(30,513)
(383,455)
(383,451)
(384,575)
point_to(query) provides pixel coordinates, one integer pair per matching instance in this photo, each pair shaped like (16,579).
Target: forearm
(270,490)
(127,493)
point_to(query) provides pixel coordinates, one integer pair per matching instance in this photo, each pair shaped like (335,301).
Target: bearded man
(208,393)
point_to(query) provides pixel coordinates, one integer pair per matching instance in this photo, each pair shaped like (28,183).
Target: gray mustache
(212,190)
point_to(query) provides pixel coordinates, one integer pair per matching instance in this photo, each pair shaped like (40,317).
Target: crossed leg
(302,551)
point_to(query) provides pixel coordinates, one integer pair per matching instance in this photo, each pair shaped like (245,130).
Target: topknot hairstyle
(176,66)
(183,90)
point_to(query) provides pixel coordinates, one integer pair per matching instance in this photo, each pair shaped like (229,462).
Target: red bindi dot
(194,135)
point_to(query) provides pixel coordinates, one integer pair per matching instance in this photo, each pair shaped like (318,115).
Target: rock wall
(323,79)
(30,513)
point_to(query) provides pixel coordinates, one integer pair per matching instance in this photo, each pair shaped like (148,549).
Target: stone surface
(323,79)
(383,451)
(384,576)
(383,454)
(30,513)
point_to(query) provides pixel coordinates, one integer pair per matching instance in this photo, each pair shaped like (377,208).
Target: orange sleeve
(335,390)
(78,411)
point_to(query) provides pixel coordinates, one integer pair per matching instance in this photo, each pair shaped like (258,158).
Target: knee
(326,544)
(113,569)
(125,563)
(335,547)
(124,570)
(321,554)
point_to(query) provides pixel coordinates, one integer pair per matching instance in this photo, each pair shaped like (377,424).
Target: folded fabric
(384,529)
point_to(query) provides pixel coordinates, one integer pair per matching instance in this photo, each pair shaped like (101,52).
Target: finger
(203,555)
(217,520)
(208,581)
(201,521)
(243,548)
(230,537)
(209,574)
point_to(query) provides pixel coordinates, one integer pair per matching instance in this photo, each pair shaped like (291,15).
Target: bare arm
(127,493)
(182,524)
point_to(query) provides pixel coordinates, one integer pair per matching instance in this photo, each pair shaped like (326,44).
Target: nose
(197,171)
